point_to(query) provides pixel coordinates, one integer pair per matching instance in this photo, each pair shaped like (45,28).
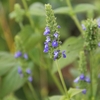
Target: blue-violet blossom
(47,31)
(18,54)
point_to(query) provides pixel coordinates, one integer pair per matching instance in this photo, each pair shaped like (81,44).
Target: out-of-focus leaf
(72,92)
(35,55)
(56,98)
(72,46)
(29,38)
(37,9)
(62,10)
(84,7)
(7,61)
(11,82)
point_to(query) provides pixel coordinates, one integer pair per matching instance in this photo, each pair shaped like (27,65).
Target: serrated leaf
(84,8)
(11,82)
(72,92)
(37,9)
(28,37)
(62,10)
(72,46)
(7,61)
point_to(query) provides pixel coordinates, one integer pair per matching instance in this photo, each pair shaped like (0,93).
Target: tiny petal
(30,78)
(18,54)
(19,70)
(99,44)
(56,35)
(48,39)
(63,53)
(54,43)
(47,31)
(56,52)
(87,79)
(28,71)
(83,27)
(84,91)
(46,50)
(82,77)
(26,56)
(98,23)
(76,80)
(58,26)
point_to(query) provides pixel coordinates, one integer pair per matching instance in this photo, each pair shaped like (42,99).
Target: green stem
(56,81)
(28,15)
(91,75)
(74,17)
(33,91)
(61,78)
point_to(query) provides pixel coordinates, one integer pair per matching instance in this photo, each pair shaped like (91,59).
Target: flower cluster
(21,71)
(82,78)
(52,42)
(19,54)
(91,37)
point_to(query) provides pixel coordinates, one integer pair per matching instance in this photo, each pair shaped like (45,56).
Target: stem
(56,82)
(33,91)
(28,15)
(91,75)
(74,17)
(61,78)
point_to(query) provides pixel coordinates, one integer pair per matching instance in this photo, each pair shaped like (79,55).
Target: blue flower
(99,44)
(47,31)
(58,26)
(84,91)
(18,54)
(46,50)
(63,53)
(54,43)
(98,23)
(56,35)
(19,70)
(76,80)
(87,79)
(83,27)
(56,53)
(82,77)
(30,78)
(25,56)
(48,39)
(28,71)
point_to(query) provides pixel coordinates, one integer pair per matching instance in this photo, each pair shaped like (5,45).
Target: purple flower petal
(82,77)
(30,78)
(56,35)
(58,26)
(54,43)
(76,80)
(83,27)
(18,54)
(19,70)
(84,91)
(63,53)
(87,79)
(47,31)
(28,71)
(26,56)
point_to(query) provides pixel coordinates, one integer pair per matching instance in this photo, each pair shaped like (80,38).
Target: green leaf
(62,10)
(11,82)
(7,61)
(84,8)
(35,55)
(29,38)
(55,98)
(72,46)
(72,92)
(37,9)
